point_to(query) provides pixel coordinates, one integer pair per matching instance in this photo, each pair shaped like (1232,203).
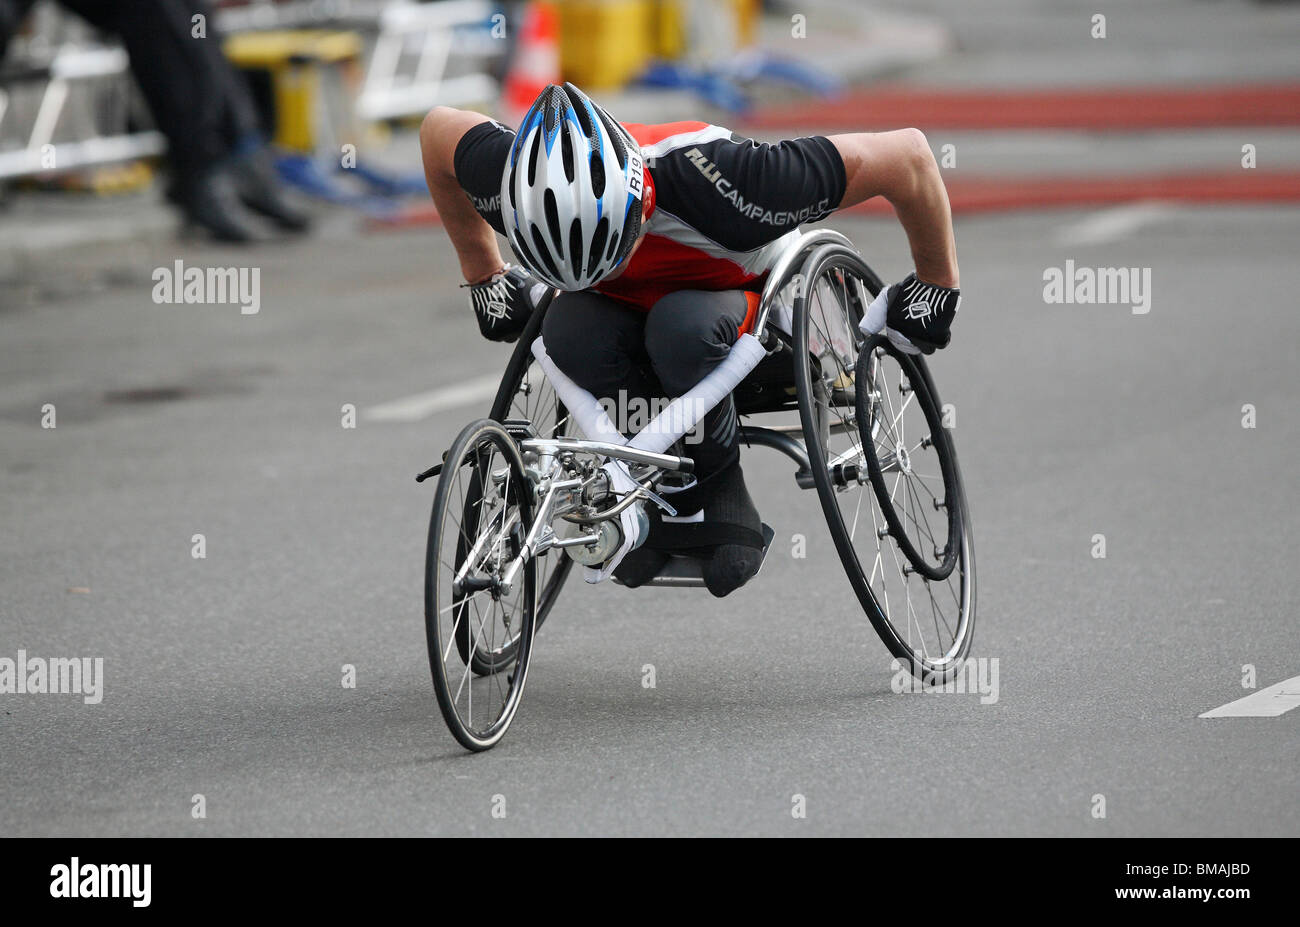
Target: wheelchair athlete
(661,237)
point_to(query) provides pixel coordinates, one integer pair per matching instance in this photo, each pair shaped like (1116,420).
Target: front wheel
(473,605)
(525,394)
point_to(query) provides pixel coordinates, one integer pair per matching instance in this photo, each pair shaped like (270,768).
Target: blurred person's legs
(249,161)
(12,14)
(218,158)
(187,101)
(203,106)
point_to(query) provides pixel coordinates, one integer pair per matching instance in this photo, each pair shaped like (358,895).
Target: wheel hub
(904,461)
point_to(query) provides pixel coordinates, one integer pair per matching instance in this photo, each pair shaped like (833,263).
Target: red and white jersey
(722,207)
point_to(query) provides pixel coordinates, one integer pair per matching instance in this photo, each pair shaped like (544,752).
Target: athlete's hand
(914,315)
(504,302)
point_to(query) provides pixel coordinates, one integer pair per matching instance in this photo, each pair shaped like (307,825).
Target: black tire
(827,411)
(480,450)
(522,375)
(875,431)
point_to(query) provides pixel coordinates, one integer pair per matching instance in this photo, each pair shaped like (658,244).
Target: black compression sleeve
(479,162)
(744,194)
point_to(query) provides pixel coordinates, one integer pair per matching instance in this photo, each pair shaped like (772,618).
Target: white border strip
(1266,703)
(422,405)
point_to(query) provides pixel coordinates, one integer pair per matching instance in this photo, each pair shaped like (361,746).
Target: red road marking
(1121,108)
(993,194)
(412,216)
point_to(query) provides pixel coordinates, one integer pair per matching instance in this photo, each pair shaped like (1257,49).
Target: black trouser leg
(687,334)
(12,14)
(599,343)
(185,80)
(607,348)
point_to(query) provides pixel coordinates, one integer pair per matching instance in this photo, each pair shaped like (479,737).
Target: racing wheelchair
(521,498)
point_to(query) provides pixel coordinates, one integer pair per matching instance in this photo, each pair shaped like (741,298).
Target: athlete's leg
(688,333)
(600,344)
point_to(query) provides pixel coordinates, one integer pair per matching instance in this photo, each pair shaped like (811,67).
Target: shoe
(209,202)
(259,189)
(640,566)
(733,564)
(716,522)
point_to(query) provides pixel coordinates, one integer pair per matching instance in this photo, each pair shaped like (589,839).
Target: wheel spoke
(857,510)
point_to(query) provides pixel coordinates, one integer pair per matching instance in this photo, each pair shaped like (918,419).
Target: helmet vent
(580,110)
(540,243)
(552,108)
(575,245)
(553,220)
(615,137)
(522,252)
(597,244)
(566,153)
(534,155)
(631,226)
(597,176)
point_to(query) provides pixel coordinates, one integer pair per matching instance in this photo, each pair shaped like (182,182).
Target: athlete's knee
(585,344)
(687,334)
(558,334)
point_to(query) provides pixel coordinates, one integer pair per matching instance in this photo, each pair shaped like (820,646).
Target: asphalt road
(222,675)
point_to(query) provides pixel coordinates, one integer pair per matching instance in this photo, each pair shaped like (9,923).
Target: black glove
(504,302)
(915,316)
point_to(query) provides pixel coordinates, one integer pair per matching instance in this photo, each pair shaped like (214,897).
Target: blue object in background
(305,174)
(389,183)
(712,87)
(721,85)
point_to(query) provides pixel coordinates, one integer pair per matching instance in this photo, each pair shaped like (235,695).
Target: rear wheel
(926,624)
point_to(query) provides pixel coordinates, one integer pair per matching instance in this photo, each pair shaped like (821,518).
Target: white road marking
(1266,703)
(1113,224)
(420,406)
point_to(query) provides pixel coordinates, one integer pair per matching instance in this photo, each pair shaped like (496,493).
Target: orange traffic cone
(536,61)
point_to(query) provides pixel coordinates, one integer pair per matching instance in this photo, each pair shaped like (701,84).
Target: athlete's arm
(900,167)
(472,237)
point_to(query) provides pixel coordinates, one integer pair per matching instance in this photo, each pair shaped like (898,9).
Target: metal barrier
(407,75)
(72,70)
(66,102)
(59,88)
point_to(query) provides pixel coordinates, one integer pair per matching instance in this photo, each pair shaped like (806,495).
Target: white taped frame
(595,424)
(687,410)
(586,411)
(677,418)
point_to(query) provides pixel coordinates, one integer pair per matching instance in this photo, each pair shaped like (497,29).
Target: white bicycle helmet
(571,191)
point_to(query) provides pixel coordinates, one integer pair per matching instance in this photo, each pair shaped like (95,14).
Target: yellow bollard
(293,58)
